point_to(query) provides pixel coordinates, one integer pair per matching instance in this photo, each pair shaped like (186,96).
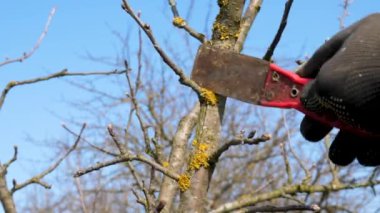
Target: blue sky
(86,26)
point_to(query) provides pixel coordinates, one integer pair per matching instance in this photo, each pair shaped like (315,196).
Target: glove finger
(342,150)
(313,130)
(368,152)
(325,52)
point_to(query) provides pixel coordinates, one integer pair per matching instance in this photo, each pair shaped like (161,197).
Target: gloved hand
(347,86)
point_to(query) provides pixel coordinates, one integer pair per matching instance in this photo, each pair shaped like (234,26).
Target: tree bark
(225,32)
(5,195)
(177,158)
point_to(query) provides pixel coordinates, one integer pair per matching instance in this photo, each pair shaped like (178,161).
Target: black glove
(347,86)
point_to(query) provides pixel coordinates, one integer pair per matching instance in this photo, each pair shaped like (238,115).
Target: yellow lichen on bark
(198,160)
(200,157)
(179,22)
(209,97)
(184,182)
(165,164)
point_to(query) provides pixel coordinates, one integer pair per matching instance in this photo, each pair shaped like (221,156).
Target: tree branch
(235,142)
(13,159)
(181,23)
(177,158)
(247,21)
(291,189)
(313,208)
(148,31)
(136,107)
(345,13)
(59,74)
(284,21)
(89,143)
(127,158)
(26,55)
(111,132)
(37,179)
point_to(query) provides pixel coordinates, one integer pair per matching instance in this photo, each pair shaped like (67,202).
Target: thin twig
(288,168)
(126,158)
(246,23)
(148,31)
(299,161)
(37,178)
(345,13)
(234,142)
(59,74)
(13,159)
(115,139)
(81,195)
(181,23)
(89,143)
(284,21)
(333,169)
(136,106)
(26,55)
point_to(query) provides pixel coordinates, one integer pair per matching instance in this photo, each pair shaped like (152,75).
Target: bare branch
(345,13)
(37,178)
(126,158)
(181,23)
(89,143)
(6,197)
(13,159)
(313,208)
(177,70)
(136,106)
(284,21)
(288,168)
(26,55)
(333,169)
(177,157)
(59,74)
(289,189)
(81,195)
(116,140)
(247,21)
(235,142)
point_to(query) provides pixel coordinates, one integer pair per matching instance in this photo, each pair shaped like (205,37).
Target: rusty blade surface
(230,74)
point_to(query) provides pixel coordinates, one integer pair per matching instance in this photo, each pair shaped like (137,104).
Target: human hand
(347,87)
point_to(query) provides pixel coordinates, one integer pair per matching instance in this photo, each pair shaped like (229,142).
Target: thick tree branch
(291,208)
(148,31)
(208,132)
(247,21)
(291,189)
(276,39)
(177,158)
(26,55)
(6,198)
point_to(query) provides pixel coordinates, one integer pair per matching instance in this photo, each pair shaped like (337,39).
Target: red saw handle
(283,88)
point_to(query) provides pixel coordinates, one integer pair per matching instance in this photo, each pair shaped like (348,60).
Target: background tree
(177,147)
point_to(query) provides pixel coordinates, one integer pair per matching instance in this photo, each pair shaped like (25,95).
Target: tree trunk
(5,196)
(225,32)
